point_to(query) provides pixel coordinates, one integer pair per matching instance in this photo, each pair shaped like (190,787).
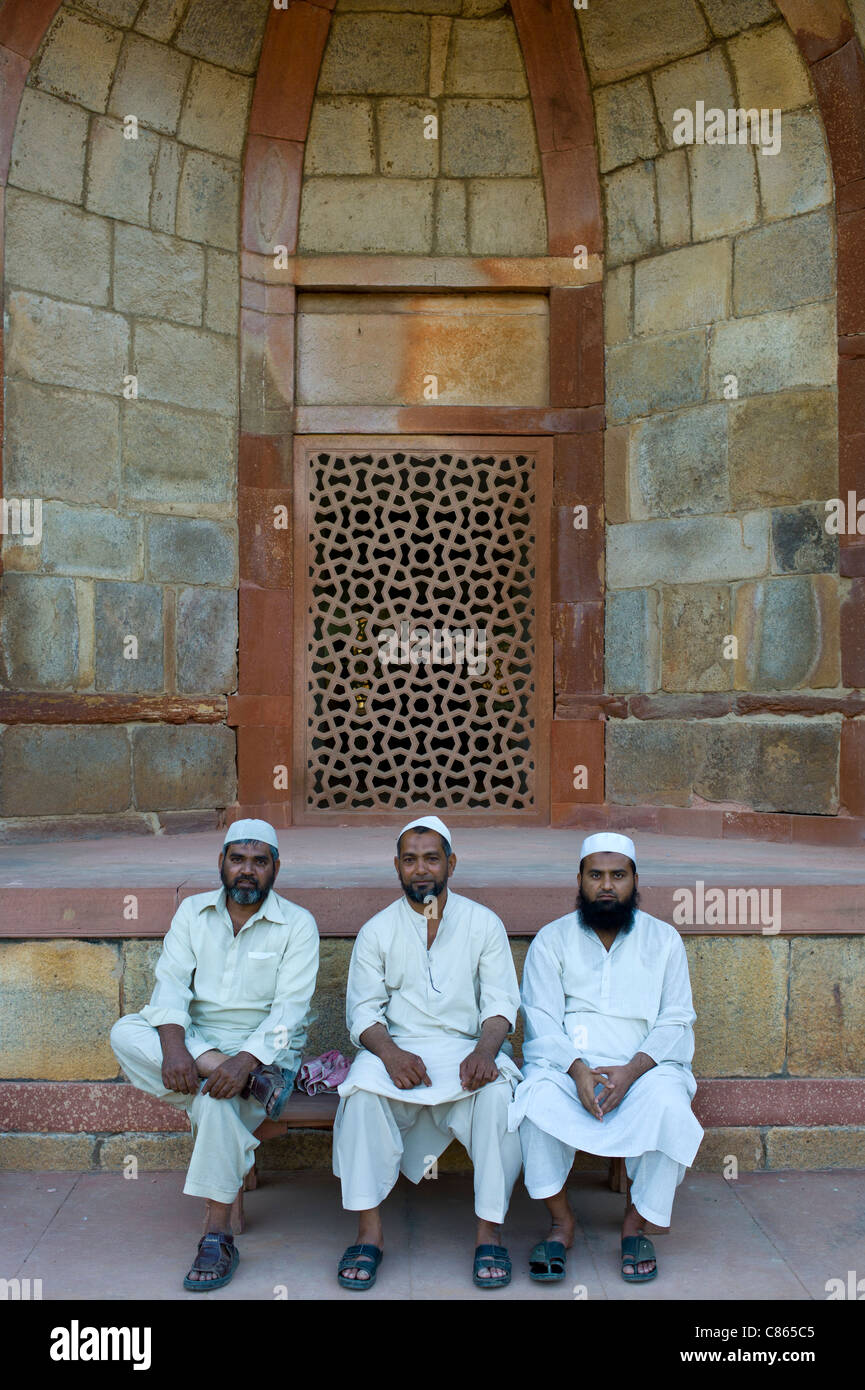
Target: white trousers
(369,1139)
(224,1147)
(654,1176)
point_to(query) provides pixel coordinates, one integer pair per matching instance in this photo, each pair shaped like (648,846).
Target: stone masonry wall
(373,182)
(720,260)
(121,262)
(766,1007)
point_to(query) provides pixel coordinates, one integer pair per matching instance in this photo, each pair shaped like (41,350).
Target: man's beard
(614,915)
(245,896)
(418,895)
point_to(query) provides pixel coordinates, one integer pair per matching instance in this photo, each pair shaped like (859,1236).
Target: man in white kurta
(231,1004)
(432,994)
(607,1057)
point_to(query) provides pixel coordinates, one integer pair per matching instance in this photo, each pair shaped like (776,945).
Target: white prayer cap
(608,843)
(251,830)
(429,823)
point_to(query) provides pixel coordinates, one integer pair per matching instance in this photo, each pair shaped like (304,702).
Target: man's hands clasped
(616,1080)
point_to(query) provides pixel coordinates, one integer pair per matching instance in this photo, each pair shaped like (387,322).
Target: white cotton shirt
(432,1002)
(250,992)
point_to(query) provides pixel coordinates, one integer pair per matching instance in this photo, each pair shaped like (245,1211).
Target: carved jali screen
(422,574)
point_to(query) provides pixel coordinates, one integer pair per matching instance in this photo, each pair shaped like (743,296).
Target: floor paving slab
(817,1226)
(29,1202)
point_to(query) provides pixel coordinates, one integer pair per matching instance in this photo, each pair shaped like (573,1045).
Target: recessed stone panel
(124,612)
(59,1001)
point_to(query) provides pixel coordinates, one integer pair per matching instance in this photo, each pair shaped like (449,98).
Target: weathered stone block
(680,463)
(62,770)
(78,60)
(696,550)
(306,1149)
(39,629)
(649,762)
(166,179)
(683,288)
(182,767)
(798,178)
(696,621)
(804,1148)
(631,641)
(632,215)
(788,765)
(626,125)
(90,541)
(159,18)
(451,218)
(704,77)
(223,292)
(367,215)
(625,36)
(49,147)
(485,59)
(739,986)
(158,276)
(149,83)
(155,1153)
(663,374)
(57,249)
(730,16)
(63,444)
(770,70)
(783,447)
(788,633)
(123,611)
(618,304)
(784,264)
(139,973)
(800,543)
(376,53)
(186,367)
(482,138)
(206,640)
(208,200)
(121,12)
(187,550)
(227,32)
(723,190)
(507,217)
(47,1153)
(215,110)
(826,1028)
(66,344)
(404,150)
(730,1141)
(120,172)
(674,198)
(776,352)
(177,456)
(341,139)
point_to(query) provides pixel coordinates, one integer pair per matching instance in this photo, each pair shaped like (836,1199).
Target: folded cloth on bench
(323,1073)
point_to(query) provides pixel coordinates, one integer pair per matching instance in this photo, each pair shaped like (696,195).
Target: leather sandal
(491,1257)
(217,1255)
(271,1087)
(363,1257)
(548,1262)
(638,1250)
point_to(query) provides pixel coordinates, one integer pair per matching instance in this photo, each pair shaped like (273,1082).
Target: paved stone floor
(765,1236)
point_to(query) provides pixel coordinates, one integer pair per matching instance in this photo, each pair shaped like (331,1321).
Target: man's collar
(271,909)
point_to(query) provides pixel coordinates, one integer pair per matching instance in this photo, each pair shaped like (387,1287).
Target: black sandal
(216,1253)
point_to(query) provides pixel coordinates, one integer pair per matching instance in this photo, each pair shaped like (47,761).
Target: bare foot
(369,1232)
(488,1234)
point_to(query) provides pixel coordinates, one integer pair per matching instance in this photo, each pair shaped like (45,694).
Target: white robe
(580,1000)
(433,1003)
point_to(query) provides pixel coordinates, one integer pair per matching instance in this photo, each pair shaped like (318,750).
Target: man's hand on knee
(230,1077)
(478,1069)
(179,1072)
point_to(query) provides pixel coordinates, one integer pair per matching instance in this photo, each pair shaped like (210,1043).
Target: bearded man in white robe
(607,1058)
(432,995)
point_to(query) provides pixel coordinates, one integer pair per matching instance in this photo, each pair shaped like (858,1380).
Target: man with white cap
(608,1045)
(222,1035)
(432,995)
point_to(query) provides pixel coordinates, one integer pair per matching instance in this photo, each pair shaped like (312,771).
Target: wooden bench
(319,1112)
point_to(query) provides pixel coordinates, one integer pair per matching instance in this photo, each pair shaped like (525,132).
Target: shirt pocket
(260,973)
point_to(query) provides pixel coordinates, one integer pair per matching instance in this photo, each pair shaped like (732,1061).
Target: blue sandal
(492,1256)
(364,1257)
(548,1262)
(216,1252)
(638,1250)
